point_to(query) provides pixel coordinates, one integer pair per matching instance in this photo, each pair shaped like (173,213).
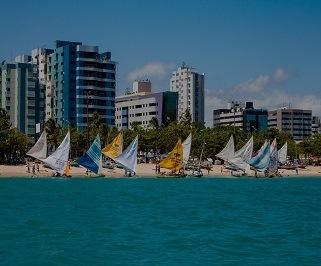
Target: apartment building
(189,84)
(20,95)
(242,116)
(296,122)
(142,105)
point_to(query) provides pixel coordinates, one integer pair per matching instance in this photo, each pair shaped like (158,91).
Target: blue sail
(91,159)
(261,161)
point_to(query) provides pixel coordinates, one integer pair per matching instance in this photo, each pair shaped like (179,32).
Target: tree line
(14,144)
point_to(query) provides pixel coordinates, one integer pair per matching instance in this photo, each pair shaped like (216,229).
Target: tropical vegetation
(161,138)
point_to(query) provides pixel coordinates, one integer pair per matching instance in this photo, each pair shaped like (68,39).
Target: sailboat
(91,160)
(59,158)
(128,159)
(115,148)
(240,159)
(228,150)
(39,150)
(273,165)
(260,162)
(187,149)
(283,153)
(174,160)
(198,172)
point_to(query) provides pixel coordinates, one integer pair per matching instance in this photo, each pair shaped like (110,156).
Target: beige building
(297,122)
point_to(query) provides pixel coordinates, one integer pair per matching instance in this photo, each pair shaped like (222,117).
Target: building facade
(84,82)
(296,122)
(190,88)
(316,125)
(141,107)
(241,116)
(21,96)
(62,81)
(40,57)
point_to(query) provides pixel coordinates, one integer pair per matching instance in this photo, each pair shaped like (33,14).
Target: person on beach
(28,167)
(33,169)
(297,171)
(38,168)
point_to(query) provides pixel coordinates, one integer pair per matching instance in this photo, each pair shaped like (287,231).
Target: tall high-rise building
(95,85)
(21,96)
(62,81)
(40,57)
(84,82)
(190,87)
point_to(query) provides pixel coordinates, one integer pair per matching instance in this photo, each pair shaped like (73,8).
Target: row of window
(137,106)
(95,74)
(137,115)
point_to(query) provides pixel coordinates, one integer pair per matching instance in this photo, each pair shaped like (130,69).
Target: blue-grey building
(21,96)
(83,80)
(95,85)
(243,116)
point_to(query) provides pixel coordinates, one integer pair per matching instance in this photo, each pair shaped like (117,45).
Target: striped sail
(273,165)
(92,158)
(261,161)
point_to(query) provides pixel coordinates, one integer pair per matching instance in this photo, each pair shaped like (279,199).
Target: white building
(142,106)
(40,57)
(190,87)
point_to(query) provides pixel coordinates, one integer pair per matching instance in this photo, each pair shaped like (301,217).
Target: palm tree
(53,132)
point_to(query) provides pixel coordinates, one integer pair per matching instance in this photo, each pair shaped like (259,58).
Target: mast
(199,164)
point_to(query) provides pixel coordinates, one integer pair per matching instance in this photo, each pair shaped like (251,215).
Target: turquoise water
(160,222)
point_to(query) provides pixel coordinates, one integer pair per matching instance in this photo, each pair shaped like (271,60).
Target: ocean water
(160,221)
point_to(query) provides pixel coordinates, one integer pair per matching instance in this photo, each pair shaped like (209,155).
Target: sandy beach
(143,170)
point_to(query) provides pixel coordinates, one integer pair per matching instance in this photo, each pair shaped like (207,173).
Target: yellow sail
(174,160)
(115,148)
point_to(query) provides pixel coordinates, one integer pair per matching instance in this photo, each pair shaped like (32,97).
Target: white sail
(39,150)
(187,148)
(242,156)
(228,150)
(128,158)
(59,158)
(283,153)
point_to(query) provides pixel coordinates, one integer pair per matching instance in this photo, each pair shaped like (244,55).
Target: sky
(268,52)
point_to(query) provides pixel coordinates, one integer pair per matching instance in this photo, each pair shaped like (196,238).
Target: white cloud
(262,82)
(258,90)
(150,70)
(280,75)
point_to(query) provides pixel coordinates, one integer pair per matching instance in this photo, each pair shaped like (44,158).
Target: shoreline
(143,170)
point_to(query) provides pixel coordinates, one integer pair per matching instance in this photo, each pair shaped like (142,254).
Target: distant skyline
(262,51)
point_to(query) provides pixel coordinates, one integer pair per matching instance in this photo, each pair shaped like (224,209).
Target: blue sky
(265,51)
